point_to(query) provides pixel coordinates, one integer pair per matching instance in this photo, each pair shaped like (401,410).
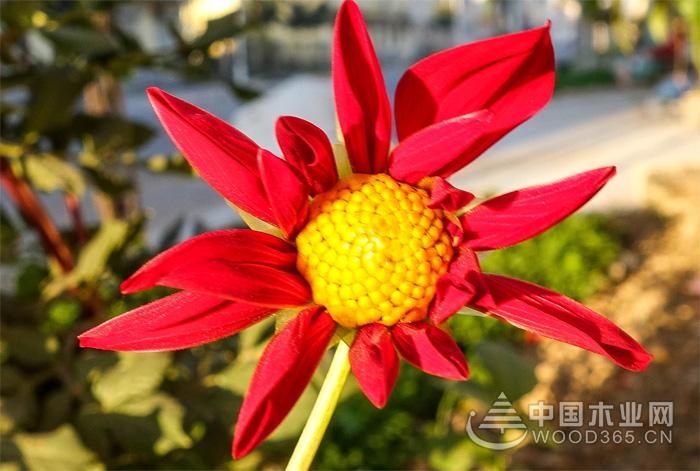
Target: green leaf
(19,411)
(135,375)
(106,432)
(82,40)
(223,27)
(581,247)
(54,94)
(28,347)
(253,335)
(92,261)
(467,311)
(105,177)
(11,379)
(111,133)
(236,377)
(11,150)
(511,371)
(62,314)
(244,92)
(258,224)
(28,283)
(49,173)
(56,408)
(60,449)
(18,14)
(11,466)
(169,415)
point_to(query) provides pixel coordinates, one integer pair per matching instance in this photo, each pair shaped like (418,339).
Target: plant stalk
(321,414)
(36,216)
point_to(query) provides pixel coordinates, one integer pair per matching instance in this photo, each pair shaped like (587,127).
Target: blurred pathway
(578,131)
(583,130)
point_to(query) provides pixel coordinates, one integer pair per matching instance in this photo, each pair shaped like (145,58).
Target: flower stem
(320,416)
(36,216)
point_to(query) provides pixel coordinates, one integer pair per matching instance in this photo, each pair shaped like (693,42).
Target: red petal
(286,193)
(253,284)
(517,216)
(445,196)
(439,149)
(230,245)
(222,155)
(511,75)
(457,287)
(308,150)
(537,309)
(181,320)
(283,372)
(362,105)
(430,349)
(374,362)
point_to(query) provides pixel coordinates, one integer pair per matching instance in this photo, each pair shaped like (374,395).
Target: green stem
(321,414)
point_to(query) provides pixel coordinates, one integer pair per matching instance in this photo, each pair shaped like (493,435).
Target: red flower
(388,252)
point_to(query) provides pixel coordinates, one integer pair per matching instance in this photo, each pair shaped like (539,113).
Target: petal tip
(239,450)
(378,402)
(348,4)
(155,93)
(641,363)
(88,341)
(464,372)
(127,286)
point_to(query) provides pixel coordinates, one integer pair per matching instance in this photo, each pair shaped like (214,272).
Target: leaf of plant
(258,224)
(111,133)
(18,14)
(252,336)
(59,449)
(169,414)
(81,40)
(28,347)
(19,411)
(93,258)
(11,150)
(56,408)
(106,432)
(54,92)
(511,371)
(223,27)
(235,377)
(49,173)
(135,375)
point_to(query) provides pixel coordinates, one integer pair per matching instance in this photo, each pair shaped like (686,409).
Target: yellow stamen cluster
(373,251)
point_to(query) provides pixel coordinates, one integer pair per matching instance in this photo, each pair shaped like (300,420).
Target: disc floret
(373,251)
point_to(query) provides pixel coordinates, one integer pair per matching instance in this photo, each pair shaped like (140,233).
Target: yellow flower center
(373,251)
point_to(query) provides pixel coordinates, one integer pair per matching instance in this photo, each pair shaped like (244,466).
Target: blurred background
(92,188)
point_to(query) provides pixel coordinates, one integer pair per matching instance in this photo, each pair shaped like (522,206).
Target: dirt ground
(656,299)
